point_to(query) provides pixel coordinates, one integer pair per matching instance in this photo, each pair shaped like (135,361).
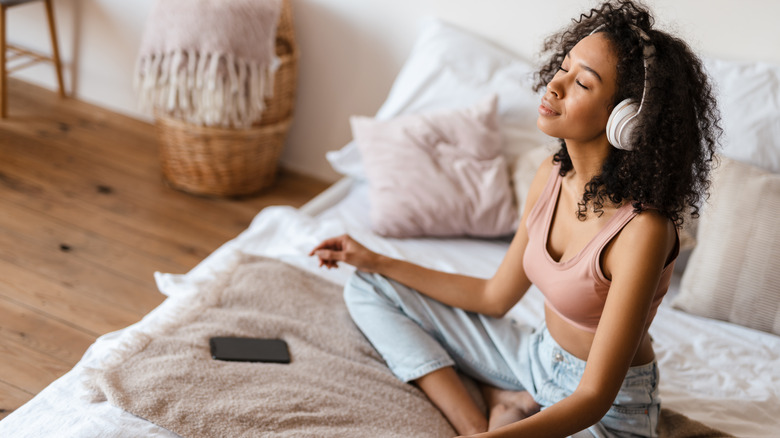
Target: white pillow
(524,169)
(734,272)
(748,96)
(437,174)
(749,100)
(450,68)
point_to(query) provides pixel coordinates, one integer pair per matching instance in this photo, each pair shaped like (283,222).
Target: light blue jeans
(417,335)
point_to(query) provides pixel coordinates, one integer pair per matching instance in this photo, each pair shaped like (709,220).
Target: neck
(587,160)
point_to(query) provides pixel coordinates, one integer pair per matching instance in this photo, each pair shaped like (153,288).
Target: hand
(345,249)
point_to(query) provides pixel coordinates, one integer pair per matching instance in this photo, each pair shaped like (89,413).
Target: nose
(554,87)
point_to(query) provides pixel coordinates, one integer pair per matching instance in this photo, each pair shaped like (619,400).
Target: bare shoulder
(650,223)
(544,169)
(649,236)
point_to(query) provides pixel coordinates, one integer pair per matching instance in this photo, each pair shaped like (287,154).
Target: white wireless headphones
(622,121)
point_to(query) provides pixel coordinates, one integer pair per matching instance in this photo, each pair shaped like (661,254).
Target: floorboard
(85,221)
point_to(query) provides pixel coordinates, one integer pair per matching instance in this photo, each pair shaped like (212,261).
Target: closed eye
(578,82)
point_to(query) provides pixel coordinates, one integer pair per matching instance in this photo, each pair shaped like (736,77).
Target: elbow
(495,313)
(495,307)
(499,310)
(499,295)
(598,404)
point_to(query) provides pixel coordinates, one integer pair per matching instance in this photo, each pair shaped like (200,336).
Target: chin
(544,128)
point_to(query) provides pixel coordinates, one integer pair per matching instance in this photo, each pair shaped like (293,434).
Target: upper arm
(510,282)
(635,261)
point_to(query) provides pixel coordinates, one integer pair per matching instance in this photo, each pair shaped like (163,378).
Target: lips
(545,109)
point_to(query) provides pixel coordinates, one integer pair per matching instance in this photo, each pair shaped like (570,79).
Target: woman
(598,237)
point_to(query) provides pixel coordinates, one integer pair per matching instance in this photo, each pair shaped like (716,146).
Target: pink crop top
(576,289)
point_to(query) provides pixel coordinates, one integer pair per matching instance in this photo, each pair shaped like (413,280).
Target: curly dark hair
(678,127)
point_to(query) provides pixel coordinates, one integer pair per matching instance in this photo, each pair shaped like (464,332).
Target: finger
(328,264)
(330,255)
(332,243)
(322,245)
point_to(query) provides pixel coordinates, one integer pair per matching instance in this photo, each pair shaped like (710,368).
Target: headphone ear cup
(621,124)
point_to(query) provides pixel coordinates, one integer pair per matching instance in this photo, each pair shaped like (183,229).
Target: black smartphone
(249,349)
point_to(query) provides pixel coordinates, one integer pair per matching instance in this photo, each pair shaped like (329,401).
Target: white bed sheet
(721,374)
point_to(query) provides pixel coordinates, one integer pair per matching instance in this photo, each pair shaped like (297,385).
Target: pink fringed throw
(208,62)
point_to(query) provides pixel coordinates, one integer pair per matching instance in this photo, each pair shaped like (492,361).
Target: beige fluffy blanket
(208,62)
(335,386)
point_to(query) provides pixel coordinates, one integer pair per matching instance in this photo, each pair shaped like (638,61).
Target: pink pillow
(437,174)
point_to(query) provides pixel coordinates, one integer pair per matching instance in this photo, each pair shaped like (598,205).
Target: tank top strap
(622,217)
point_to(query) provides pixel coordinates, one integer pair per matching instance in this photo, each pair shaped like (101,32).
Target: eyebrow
(587,68)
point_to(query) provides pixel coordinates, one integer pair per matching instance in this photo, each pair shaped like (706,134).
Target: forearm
(455,290)
(491,297)
(567,417)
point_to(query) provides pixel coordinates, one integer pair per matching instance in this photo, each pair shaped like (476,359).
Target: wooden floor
(85,220)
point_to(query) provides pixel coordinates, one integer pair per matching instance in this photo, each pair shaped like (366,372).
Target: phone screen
(249,349)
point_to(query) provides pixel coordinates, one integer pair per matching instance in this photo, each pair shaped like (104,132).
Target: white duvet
(721,374)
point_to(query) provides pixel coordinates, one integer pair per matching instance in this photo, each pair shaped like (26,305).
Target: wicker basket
(234,162)
(280,106)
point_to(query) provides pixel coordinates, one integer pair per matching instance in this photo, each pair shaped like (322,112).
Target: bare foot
(506,407)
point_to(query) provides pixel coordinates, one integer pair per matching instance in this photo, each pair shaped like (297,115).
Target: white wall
(352,49)
(98,40)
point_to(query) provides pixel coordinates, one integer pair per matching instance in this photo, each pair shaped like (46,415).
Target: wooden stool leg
(3,92)
(54,47)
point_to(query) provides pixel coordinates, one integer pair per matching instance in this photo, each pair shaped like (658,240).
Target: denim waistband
(576,365)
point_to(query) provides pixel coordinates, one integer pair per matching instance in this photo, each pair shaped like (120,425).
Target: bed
(715,335)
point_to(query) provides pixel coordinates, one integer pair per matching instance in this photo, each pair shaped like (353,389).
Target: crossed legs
(422,340)
(445,389)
